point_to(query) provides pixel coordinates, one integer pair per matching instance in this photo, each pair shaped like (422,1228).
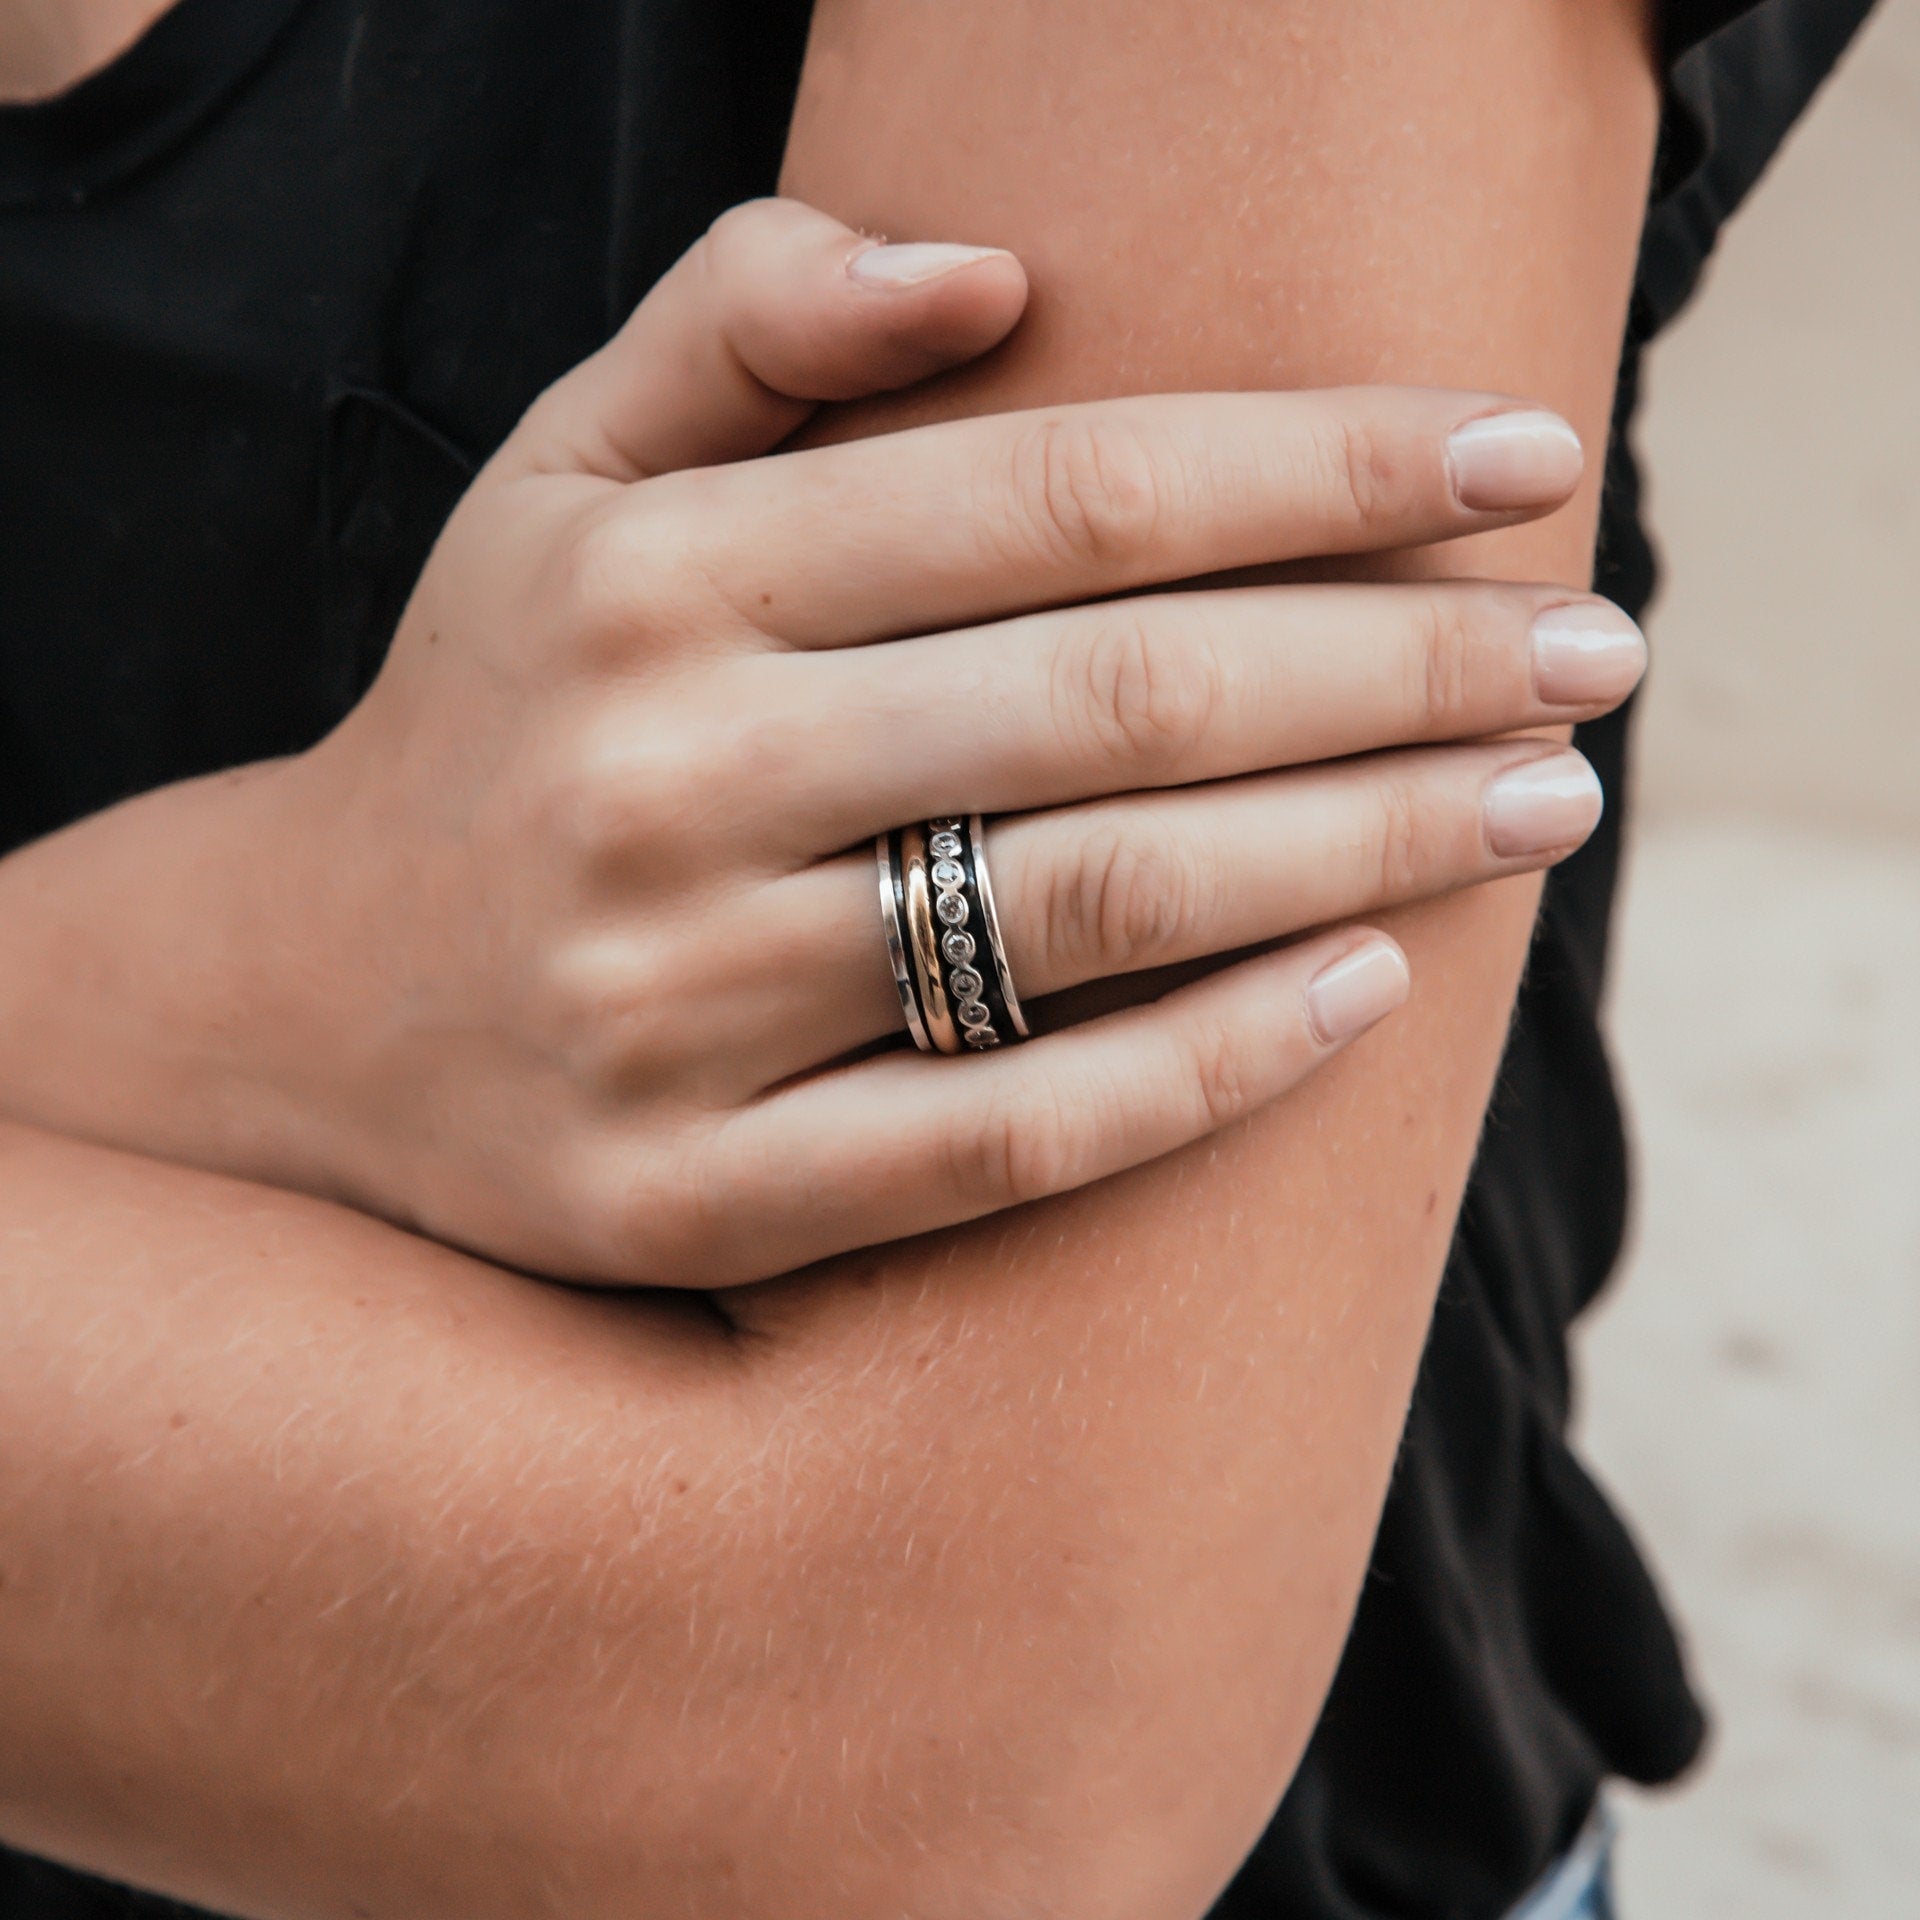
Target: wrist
(160,986)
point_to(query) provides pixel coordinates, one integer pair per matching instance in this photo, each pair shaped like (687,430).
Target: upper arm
(1209,1358)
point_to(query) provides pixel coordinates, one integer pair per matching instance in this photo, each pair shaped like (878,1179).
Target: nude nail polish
(911,262)
(1357,991)
(1586,652)
(1542,806)
(1503,462)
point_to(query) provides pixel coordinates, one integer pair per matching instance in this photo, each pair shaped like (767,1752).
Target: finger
(1148,880)
(973,519)
(1165,689)
(1120,886)
(778,308)
(908,1143)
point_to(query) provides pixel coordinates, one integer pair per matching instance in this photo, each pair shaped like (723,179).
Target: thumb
(777,308)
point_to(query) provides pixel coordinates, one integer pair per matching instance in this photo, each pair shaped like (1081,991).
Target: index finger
(971,520)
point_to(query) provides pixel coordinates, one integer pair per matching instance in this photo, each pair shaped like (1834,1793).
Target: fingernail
(1585,653)
(914,261)
(1509,460)
(1357,991)
(1541,806)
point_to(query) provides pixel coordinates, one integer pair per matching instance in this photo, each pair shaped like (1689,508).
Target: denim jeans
(1581,1886)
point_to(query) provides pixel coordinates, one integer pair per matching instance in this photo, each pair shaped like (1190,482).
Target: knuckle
(656,1212)
(1024,1146)
(1217,1073)
(745,256)
(749,756)
(1399,836)
(1446,648)
(741,232)
(1086,489)
(609,568)
(1121,899)
(1363,471)
(614,797)
(607,1199)
(596,1009)
(623,788)
(1149,695)
(630,579)
(693,1236)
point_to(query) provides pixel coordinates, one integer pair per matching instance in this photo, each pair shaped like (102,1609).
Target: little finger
(909,1143)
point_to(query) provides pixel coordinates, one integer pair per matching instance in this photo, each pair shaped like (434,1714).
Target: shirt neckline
(127,114)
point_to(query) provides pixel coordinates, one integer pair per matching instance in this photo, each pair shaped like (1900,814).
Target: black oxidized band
(976,972)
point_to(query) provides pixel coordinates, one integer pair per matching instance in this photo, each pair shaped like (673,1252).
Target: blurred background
(1753,1384)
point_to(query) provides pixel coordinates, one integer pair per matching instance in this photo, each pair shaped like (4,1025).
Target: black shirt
(276,281)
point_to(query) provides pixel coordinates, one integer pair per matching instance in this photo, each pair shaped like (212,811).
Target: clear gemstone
(949,873)
(965,984)
(951,908)
(945,824)
(945,846)
(973,1014)
(981,1037)
(958,947)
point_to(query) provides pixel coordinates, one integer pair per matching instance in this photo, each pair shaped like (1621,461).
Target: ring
(937,912)
(924,921)
(893,923)
(990,924)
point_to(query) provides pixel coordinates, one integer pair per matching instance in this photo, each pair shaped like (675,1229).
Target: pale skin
(999,1572)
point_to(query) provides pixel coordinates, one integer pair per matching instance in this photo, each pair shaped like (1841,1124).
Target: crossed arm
(996,1573)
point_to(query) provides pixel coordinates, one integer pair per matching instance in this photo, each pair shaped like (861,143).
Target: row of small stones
(964,982)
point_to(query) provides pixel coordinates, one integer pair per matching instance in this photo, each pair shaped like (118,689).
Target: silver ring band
(888,861)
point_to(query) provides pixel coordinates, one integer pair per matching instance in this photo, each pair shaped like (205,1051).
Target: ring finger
(1147,880)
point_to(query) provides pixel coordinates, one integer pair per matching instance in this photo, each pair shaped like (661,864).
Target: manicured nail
(914,261)
(1542,806)
(1584,653)
(1506,461)
(1357,991)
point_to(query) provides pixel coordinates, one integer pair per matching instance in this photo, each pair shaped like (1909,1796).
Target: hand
(582,895)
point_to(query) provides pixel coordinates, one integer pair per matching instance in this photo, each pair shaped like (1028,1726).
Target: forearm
(342,1574)
(331,1559)
(157,965)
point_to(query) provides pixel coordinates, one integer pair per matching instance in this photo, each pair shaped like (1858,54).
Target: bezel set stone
(965,983)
